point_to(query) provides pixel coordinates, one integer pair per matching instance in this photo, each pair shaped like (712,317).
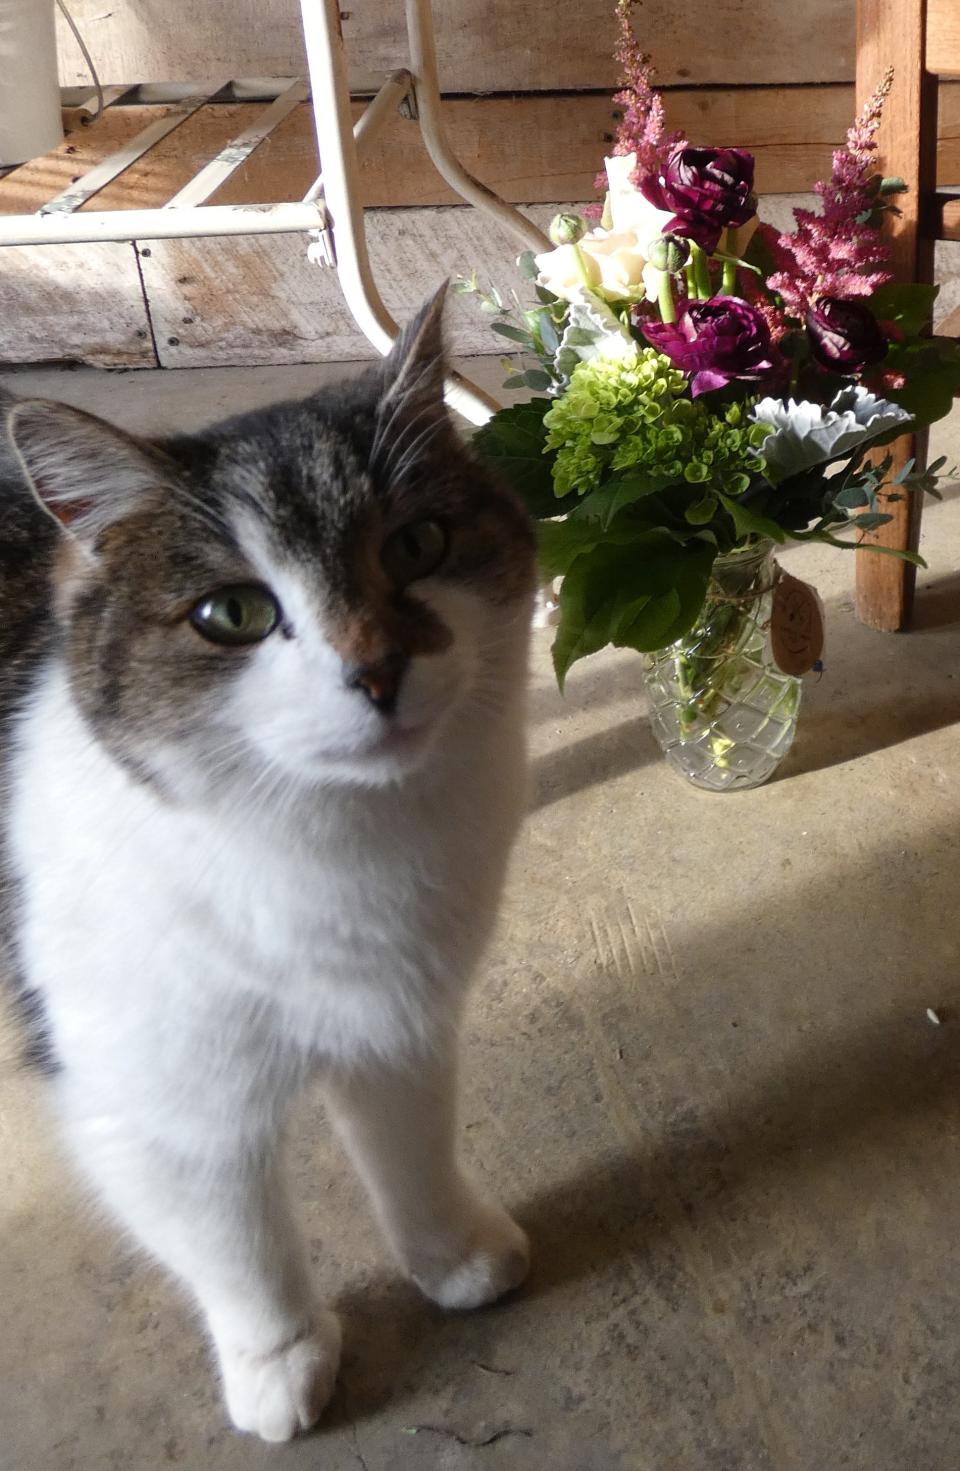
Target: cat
(262,694)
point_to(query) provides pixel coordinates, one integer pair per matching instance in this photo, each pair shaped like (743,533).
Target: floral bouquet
(710,387)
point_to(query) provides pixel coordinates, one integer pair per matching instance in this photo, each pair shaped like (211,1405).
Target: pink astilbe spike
(640,129)
(837,253)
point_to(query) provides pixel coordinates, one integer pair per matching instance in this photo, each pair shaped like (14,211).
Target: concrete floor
(700,1069)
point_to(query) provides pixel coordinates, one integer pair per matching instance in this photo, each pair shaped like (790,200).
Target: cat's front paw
(277,1395)
(489,1259)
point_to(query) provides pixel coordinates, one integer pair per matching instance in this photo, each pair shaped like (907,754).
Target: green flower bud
(668,253)
(566,229)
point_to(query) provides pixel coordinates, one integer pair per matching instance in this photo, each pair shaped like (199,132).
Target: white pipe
(162,224)
(338,149)
(30,123)
(426,83)
(381,109)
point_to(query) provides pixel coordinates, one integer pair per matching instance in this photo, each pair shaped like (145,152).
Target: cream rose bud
(628,208)
(612,262)
(566,229)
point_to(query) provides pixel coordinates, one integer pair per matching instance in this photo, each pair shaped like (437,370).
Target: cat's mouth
(400,737)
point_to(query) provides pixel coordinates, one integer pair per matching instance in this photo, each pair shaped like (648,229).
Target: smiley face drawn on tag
(796,625)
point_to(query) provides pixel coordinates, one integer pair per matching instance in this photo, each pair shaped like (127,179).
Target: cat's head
(313,591)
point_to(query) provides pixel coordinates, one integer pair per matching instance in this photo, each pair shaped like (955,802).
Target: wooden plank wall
(482,45)
(529,111)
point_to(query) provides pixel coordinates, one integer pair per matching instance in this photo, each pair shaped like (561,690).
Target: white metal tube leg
(426,83)
(338,160)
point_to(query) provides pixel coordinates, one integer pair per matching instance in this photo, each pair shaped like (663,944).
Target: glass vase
(722,711)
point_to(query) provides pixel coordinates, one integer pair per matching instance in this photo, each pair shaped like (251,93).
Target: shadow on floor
(592,761)
(831,737)
(937,604)
(590,686)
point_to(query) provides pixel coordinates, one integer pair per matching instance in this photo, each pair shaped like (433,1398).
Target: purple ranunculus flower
(844,336)
(714,342)
(707,189)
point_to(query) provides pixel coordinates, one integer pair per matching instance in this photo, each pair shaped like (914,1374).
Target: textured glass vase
(723,713)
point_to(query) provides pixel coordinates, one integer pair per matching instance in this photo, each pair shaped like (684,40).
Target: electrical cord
(86,56)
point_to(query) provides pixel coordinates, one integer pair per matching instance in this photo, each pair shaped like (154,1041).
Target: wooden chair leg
(893,32)
(885,585)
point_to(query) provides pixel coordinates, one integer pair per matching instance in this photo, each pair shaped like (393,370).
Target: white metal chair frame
(331,212)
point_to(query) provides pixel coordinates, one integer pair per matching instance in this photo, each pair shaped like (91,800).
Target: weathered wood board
(73,303)
(259,300)
(243,301)
(482,45)
(531,150)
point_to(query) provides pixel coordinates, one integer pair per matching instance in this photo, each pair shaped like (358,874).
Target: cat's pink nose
(380,680)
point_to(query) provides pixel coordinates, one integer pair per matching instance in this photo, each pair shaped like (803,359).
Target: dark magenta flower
(845,336)
(706,189)
(714,342)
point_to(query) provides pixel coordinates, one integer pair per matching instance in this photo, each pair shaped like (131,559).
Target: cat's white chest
(348,926)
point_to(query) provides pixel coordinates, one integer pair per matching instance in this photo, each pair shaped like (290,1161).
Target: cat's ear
(415,368)
(82,471)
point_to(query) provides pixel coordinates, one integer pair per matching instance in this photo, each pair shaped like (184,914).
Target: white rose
(611,261)
(629,210)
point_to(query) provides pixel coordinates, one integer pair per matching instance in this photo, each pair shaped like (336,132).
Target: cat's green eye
(414,551)
(241,614)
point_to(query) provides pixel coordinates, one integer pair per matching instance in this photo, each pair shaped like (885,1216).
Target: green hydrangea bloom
(624,414)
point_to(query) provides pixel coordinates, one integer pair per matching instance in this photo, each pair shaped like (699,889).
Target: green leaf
(537,379)
(527,265)
(747,522)
(607,502)
(580,336)
(908,304)
(759,254)
(561,543)
(516,334)
(701,511)
(515,380)
(513,444)
(651,625)
(931,367)
(641,596)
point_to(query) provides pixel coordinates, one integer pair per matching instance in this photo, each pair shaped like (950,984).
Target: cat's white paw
(277,1395)
(491,1260)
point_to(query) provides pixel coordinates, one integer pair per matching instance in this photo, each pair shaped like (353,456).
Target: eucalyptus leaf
(870,520)
(548,333)
(527,265)
(515,334)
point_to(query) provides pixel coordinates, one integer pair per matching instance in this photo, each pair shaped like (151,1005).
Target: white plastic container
(30,123)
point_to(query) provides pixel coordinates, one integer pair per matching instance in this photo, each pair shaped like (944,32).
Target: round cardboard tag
(796,625)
